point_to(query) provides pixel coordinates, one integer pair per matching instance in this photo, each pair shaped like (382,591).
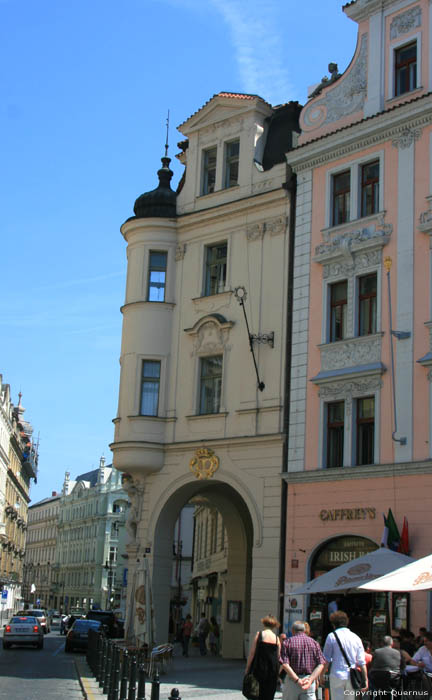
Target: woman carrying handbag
(263,659)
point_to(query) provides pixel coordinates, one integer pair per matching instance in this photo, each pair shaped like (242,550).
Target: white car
(23,629)
(41,616)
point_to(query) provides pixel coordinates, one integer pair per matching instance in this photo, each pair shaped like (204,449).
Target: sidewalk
(195,677)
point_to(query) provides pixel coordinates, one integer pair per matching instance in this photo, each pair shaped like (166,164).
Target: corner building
(360,427)
(191,420)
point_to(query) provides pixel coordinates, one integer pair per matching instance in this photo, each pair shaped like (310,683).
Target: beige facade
(39,571)
(192,420)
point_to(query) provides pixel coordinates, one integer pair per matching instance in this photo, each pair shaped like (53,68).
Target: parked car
(41,616)
(23,629)
(56,619)
(77,637)
(114,626)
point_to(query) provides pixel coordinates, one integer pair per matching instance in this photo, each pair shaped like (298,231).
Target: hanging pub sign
(379,628)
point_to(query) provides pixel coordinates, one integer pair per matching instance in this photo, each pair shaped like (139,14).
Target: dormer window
(209,170)
(232,150)
(405,68)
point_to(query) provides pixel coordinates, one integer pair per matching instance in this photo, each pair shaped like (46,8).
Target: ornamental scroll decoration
(204,464)
(405,22)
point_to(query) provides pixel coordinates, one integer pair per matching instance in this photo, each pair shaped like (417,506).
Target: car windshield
(27,619)
(86,624)
(38,613)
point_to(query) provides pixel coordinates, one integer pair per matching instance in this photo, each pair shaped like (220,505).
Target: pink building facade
(360,436)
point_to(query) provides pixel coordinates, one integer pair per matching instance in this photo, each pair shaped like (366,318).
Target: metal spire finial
(167,130)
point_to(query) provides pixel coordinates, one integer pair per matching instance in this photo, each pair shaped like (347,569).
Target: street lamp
(110,569)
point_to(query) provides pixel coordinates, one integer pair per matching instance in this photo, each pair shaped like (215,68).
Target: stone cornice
(360,472)
(362,9)
(385,126)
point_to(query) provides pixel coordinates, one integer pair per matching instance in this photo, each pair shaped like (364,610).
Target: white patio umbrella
(140,623)
(416,576)
(356,572)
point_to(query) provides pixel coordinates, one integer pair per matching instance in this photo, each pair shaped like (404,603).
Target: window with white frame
(355,191)
(209,170)
(150,382)
(157,276)
(369,188)
(341,198)
(232,151)
(365,430)
(338,311)
(405,68)
(210,387)
(367,304)
(215,268)
(335,434)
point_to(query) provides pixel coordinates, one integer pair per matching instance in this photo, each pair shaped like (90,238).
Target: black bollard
(132,677)
(107,667)
(175,694)
(141,681)
(99,657)
(103,662)
(124,677)
(115,675)
(155,690)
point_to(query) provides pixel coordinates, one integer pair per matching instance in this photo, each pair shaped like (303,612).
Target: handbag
(251,688)
(356,676)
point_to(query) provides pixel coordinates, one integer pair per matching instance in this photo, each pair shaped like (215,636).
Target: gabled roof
(227,95)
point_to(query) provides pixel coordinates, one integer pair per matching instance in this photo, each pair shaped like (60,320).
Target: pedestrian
(423,656)
(340,683)
(367,646)
(203,630)
(214,636)
(303,661)
(386,668)
(186,634)
(264,656)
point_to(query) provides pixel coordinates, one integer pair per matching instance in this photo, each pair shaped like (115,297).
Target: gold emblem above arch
(204,464)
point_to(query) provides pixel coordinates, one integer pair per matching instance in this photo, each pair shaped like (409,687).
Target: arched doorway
(358,606)
(234,587)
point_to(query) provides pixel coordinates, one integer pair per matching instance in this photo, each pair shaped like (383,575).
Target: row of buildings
(276,346)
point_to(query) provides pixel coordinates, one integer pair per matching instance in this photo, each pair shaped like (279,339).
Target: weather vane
(167,130)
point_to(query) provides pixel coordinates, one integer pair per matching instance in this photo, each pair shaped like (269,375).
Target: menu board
(379,627)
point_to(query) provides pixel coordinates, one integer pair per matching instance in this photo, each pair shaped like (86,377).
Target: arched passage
(238,523)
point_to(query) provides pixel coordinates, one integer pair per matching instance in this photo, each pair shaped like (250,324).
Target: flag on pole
(384,538)
(32,588)
(393,532)
(404,539)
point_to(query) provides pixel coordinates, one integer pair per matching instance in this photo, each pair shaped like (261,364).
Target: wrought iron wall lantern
(240,294)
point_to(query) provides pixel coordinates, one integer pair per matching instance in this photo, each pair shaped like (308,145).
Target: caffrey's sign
(348,514)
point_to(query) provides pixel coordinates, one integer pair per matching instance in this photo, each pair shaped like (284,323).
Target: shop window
(338,311)
(210,384)
(341,198)
(365,430)
(232,151)
(405,68)
(215,268)
(367,304)
(335,434)
(150,381)
(369,188)
(157,276)
(209,170)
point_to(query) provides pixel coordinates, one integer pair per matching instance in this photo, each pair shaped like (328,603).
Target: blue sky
(85,91)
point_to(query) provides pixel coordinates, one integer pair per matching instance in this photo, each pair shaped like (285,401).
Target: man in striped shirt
(303,661)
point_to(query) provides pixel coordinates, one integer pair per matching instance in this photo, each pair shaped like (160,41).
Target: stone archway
(238,523)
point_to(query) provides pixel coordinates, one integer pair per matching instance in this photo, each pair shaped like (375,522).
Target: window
(341,197)
(157,276)
(405,69)
(338,311)
(367,312)
(215,273)
(209,171)
(365,430)
(210,384)
(150,388)
(370,188)
(335,434)
(231,163)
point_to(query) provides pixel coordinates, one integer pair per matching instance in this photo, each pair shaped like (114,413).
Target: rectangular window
(367,312)
(370,188)
(406,68)
(209,171)
(210,384)
(150,381)
(365,430)
(338,311)
(335,434)
(341,198)
(216,264)
(157,276)
(231,163)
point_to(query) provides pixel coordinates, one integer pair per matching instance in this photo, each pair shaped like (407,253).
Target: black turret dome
(160,202)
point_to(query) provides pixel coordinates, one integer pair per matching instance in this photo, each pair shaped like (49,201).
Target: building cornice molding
(386,126)
(362,9)
(359,472)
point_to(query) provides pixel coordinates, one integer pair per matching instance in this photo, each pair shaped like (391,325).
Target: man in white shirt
(340,683)
(424,655)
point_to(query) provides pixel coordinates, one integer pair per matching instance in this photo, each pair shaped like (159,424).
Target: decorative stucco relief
(180,251)
(425,219)
(351,353)
(360,261)
(260,186)
(134,488)
(405,22)
(345,244)
(349,389)
(346,98)
(274,227)
(210,335)
(406,137)
(204,464)
(255,232)
(216,302)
